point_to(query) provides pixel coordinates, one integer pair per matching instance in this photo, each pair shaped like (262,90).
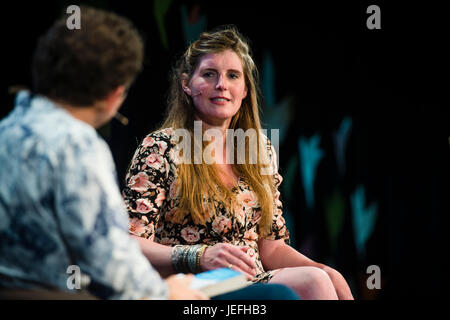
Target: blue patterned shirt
(60,205)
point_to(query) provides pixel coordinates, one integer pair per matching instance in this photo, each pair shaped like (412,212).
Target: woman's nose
(221,83)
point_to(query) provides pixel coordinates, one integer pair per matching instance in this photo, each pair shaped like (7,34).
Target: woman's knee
(315,276)
(308,282)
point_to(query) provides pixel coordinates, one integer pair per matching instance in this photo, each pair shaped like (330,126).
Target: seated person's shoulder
(164,134)
(159,141)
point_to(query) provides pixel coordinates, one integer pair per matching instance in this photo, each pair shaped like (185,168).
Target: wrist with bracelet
(187,258)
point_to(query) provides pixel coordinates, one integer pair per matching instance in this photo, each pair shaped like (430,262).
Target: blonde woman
(198,208)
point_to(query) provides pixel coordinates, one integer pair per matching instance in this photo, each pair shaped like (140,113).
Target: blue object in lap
(261,291)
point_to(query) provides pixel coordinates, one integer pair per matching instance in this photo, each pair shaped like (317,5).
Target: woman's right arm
(218,256)
(145,194)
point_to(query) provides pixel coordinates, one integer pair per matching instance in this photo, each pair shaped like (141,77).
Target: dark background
(389,82)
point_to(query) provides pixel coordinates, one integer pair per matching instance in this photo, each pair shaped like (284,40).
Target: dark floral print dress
(151,195)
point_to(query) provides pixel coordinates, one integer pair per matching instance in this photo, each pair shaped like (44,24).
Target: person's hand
(225,255)
(342,289)
(179,288)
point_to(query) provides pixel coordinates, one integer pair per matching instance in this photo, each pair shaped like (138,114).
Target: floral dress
(151,195)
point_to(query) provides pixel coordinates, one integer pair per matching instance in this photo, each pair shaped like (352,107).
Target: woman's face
(217,87)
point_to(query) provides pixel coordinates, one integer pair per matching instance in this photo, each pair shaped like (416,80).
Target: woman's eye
(233,75)
(208,74)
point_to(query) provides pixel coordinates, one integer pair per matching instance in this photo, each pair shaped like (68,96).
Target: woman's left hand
(342,289)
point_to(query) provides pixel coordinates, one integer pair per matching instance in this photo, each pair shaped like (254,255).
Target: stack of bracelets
(186,259)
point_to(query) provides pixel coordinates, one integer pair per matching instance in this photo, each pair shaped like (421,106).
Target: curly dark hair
(82,66)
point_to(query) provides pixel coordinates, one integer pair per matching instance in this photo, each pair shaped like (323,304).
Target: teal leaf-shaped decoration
(193,23)
(364,218)
(310,156)
(340,138)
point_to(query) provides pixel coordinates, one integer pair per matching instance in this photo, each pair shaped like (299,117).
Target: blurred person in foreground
(59,200)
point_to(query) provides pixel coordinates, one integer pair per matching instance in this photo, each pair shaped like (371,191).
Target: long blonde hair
(198,182)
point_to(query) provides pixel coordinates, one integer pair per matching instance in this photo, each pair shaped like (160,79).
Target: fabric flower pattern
(140,182)
(152,195)
(137,226)
(148,141)
(221,224)
(190,234)
(247,198)
(161,197)
(143,205)
(154,161)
